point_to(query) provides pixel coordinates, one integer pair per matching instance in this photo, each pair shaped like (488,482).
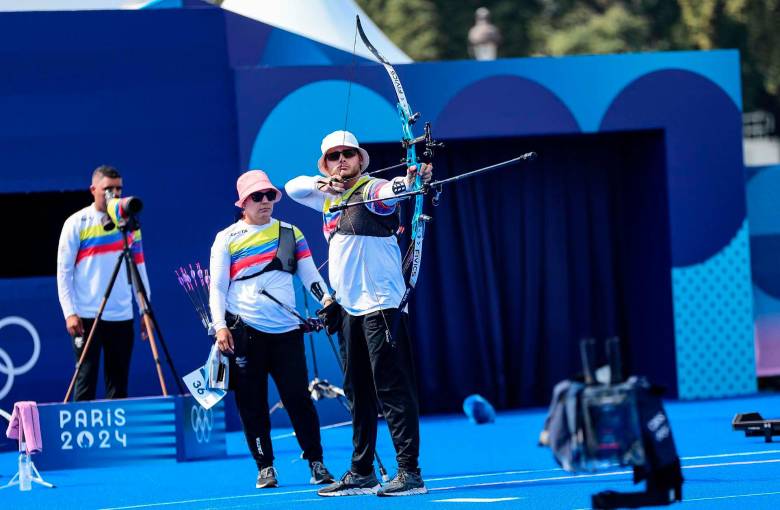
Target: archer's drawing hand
(331,185)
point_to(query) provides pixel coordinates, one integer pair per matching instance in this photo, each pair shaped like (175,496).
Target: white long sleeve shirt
(242,250)
(86,257)
(365,271)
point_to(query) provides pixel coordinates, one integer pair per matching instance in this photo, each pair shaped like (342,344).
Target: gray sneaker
(352,484)
(266,478)
(320,474)
(405,483)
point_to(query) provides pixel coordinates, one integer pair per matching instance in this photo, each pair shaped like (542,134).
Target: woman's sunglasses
(257,196)
(336,155)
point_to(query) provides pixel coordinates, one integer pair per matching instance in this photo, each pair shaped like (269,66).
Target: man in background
(86,257)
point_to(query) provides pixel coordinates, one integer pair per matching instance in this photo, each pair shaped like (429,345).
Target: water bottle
(25,472)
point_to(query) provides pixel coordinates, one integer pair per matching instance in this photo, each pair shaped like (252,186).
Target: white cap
(337,139)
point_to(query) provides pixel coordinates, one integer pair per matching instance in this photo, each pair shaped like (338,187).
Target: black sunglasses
(336,155)
(257,196)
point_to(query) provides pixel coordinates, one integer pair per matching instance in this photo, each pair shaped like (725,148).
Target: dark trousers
(115,340)
(282,356)
(379,377)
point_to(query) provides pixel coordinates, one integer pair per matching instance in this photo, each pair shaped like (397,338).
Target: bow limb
(407,119)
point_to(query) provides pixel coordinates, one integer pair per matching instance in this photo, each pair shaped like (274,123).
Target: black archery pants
(379,378)
(283,357)
(115,340)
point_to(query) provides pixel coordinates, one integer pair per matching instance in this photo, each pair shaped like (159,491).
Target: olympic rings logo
(7,366)
(202,421)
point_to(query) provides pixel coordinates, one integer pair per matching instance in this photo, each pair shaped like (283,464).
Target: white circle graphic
(5,360)
(7,365)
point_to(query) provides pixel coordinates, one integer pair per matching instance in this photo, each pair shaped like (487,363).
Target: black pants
(115,339)
(379,377)
(282,356)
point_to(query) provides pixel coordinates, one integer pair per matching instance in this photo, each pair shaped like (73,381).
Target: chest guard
(361,221)
(284,260)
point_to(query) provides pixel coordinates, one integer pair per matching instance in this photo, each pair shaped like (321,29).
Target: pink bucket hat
(336,139)
(251,181)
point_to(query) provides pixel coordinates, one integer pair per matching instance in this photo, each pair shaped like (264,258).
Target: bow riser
(409,142)
(411,160)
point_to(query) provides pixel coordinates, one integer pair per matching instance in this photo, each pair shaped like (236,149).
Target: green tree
(411,24)
(437,29)
(762,26)
(752,27)
(565,27)
(584,29)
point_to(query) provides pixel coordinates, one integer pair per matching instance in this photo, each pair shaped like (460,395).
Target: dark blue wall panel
(151,93)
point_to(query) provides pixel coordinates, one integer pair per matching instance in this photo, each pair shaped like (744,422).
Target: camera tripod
(321,388)
(149,322)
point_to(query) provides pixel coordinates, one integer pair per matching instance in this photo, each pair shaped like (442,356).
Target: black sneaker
(266,478)
(352,484)
(320,474)
(405,483)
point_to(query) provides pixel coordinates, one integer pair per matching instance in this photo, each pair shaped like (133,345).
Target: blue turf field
(465,466)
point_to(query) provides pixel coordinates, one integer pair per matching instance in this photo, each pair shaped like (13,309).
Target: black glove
(311,325)
(331,317)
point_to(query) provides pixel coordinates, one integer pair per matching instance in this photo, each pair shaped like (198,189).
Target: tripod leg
(12,482)
(155,356)
(37,478)
(164,345)
(150,322)
(137,283)
(94,326)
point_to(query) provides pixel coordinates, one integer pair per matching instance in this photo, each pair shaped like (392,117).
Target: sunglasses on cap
(257,196)
(336,155)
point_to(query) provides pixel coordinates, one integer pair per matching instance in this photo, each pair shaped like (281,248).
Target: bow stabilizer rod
(436,185)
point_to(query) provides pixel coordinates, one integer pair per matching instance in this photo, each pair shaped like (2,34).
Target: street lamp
(484,36)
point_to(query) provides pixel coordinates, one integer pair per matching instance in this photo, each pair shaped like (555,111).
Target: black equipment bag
(592,426)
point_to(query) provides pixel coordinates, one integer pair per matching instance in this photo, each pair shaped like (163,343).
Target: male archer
(366,274)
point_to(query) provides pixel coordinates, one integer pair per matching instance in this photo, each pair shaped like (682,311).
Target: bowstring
(344,212)
(351,79)
(346,109)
